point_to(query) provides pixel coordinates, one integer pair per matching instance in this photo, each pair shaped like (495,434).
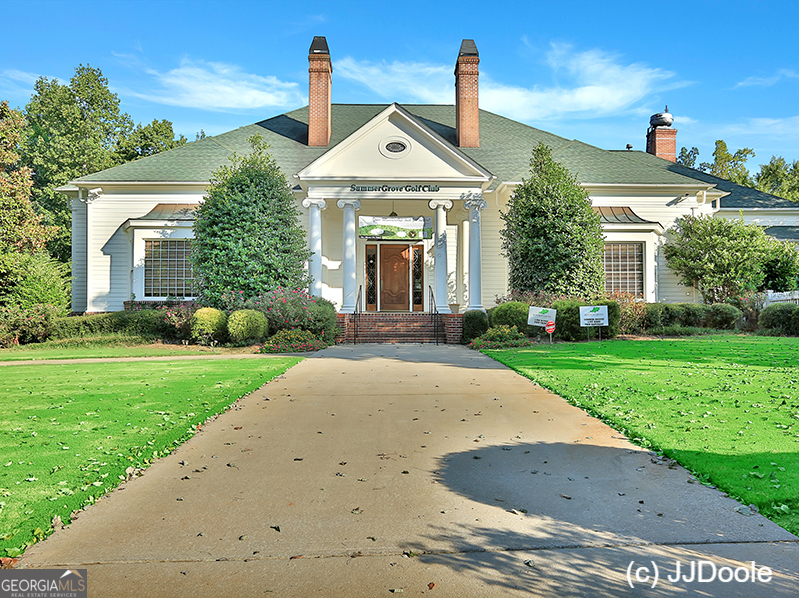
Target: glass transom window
(167,268)
(624,268)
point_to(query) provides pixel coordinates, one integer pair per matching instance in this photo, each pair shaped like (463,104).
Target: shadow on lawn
(582,512)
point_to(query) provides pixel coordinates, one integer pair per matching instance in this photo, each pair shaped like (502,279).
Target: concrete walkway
(374,470)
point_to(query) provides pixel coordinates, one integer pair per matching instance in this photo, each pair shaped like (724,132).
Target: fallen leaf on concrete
(298,458)
(243,537)
(405,471)
(7,563)
(232,465)
(357,511)
(183,462)
(566,496)
(237,427)
(396,590)
(275,527)
(530,563)
(746,511)
(185,477)
(431,585)
(299,556)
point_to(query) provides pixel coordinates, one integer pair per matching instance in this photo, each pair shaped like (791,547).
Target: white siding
(78,256)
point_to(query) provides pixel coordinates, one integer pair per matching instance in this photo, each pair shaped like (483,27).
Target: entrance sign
(540,316)
(395,228)
(594,315)
(550,327)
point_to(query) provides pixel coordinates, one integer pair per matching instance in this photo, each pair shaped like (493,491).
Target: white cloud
(768,127)
(768,81)
(219,86)
(16,85)
(412,82)
(595,84)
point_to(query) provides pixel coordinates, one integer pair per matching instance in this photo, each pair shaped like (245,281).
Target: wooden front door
(395,278)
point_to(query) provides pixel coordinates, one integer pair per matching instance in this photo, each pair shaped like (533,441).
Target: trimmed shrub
(512,313)
(568,323)
(246,325)
(322,321)
(208,324)
(632,312)
(292,341)
(654,315)
(695,314)
(776,318)
(500,337)
(724,316)
(672,314)
(475,323)
(284,309)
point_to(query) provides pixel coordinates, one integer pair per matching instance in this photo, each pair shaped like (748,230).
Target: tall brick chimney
(661,139)
(320,71)
(467,113)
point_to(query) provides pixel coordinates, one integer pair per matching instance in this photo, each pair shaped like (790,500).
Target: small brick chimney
(661,139)
(467,113)
(320,71)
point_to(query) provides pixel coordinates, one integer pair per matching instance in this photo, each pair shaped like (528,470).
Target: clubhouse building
(401,203)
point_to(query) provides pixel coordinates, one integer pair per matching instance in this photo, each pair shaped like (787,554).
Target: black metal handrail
(435,317)
(356,319)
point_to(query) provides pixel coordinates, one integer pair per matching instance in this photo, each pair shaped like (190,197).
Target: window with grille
(624,268)
(167,268)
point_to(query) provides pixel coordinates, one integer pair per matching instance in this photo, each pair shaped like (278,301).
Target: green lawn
(109,345)
(69,432)
(725,407)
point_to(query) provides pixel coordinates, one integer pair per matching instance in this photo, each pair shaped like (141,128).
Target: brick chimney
(467,114)
(320,71)
(661,139)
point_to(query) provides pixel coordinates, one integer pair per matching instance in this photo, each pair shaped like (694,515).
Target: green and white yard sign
(539,316)
(594,315)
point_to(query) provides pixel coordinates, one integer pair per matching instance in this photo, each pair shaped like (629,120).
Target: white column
(315,243)
(350,206)
(463,258)
(475,206)
(440,205)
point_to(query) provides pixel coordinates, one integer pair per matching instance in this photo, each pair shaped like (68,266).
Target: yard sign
(539,316)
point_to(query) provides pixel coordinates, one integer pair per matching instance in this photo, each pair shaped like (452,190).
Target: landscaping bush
(28,280)
(208,324)
(284,309)
(672,314)
(653,317)
(695,314)
(724,316)
(633,312)
(246,325)
(292,341)
(776,318)
(500,337)
(20,325)
(568,323)
(177,320)
(751,304)
(322,322)
(475,323)
(512,313)
(793,327)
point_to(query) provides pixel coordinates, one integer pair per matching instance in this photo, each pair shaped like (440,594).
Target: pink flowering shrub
(26,325)
(292,341)
(500,337)
(177,319)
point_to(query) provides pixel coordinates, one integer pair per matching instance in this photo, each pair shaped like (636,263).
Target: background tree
(21,229)
(148,140)
(688,157)
(731,167)
(247,235)
(779,178)
(552,237)
(724,258)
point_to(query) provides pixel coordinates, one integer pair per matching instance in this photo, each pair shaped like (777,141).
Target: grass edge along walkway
(725,407)
(71,433)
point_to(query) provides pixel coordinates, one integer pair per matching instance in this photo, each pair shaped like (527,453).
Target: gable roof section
(505,150)
(434,157)
(738,196)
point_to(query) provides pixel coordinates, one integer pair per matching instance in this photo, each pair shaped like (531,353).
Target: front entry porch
(371,327)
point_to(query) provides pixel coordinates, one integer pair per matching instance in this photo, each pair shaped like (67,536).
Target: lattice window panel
(167,269)
(624,268)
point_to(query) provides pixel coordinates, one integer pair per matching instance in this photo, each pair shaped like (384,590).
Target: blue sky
(594,71)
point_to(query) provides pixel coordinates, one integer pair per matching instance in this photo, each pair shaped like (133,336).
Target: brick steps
(398,328)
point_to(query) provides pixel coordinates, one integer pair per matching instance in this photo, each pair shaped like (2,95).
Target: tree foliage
(21,229)
(725,258)
(688,157)
(552,237)
(148,140)
(247,233)
(731,167)
(779,178)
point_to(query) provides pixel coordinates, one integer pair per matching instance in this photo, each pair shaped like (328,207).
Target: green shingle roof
(740,197)
(505,149)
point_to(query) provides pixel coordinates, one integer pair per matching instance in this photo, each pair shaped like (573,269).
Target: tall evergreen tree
(552,237)
(247,235)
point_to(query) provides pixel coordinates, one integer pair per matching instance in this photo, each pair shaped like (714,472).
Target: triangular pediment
(395,146)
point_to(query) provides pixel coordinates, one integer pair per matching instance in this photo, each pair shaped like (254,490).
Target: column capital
(440,203)
(310,201)
(352,203)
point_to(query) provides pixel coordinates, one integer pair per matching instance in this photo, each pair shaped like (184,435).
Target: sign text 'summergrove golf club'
(539,316)
(594,315)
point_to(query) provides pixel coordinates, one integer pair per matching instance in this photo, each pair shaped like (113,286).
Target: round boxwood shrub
(654,315)
(695,314)
(724,316)
(322,320)
(512,313)
(475,323)
(246,325)
(208,324)
(776,318)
